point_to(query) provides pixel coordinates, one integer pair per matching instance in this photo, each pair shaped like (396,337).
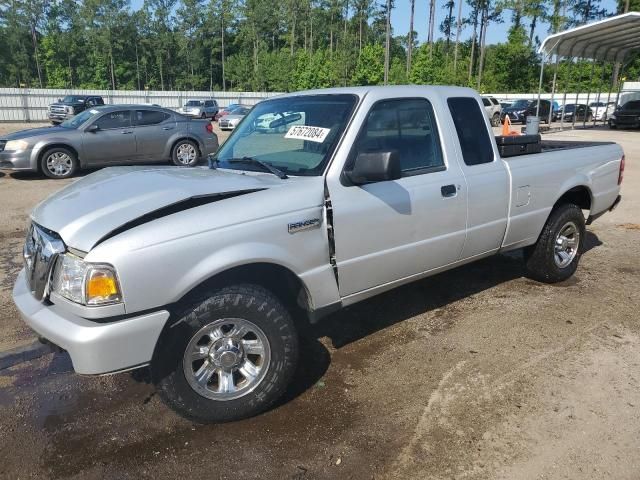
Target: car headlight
(612,116)
(68,109)
(16,145)
(86,283)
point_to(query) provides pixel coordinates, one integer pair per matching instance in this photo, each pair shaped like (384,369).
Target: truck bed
(532,144)
(553,145)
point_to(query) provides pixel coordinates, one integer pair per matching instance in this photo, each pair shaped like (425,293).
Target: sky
(497,32)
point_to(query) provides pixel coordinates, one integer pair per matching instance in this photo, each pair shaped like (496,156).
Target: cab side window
(407,126)
(118,119)
(472,132)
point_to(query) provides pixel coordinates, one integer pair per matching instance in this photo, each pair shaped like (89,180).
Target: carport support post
(575,110)
(540,84)
(593,71)
(553,88)
(599,92)
(564,97)
(611,89)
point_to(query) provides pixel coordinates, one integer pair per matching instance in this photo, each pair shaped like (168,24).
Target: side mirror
(375,167)
(92,128)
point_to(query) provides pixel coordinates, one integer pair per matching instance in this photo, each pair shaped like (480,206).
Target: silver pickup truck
(205,275)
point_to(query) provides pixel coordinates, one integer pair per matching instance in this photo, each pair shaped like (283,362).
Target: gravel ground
(477,373)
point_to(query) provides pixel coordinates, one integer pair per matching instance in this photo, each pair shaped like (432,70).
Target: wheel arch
(579,195)
(278,279)
(39,155)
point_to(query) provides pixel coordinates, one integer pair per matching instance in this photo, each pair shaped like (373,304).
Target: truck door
(389,230)
(486,175)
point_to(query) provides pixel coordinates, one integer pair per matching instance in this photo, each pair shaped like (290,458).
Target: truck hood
(34,132)
(100,204)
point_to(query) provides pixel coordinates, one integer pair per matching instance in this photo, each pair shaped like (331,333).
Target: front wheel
(230,356)
(555,256)
(495,120)
(59,163)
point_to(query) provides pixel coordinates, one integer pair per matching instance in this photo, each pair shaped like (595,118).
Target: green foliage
(273,46)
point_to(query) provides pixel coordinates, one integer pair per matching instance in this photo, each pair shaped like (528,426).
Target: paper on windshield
(306,132)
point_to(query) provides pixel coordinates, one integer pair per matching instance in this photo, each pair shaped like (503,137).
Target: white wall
(24,105)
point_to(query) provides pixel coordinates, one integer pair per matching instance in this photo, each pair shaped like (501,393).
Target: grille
(41,249)
(58,109)
(224,124)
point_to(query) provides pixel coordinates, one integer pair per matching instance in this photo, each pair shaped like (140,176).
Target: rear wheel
(59,162)
(230,356)
(495,120)
(185,153)
(556,254)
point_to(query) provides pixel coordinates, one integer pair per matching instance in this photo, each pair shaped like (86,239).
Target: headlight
(85,283)
(69,109)
(16,145)
(612,116)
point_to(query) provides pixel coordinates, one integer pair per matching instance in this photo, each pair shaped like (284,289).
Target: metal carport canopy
(610,39)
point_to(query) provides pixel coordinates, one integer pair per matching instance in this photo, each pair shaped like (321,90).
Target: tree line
(287,45)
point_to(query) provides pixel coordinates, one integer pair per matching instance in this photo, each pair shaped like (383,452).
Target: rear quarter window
(471,128)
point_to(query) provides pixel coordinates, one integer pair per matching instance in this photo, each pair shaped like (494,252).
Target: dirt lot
(477,373)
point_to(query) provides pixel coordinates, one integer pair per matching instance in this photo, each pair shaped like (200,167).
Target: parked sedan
(109,135)
(231,121)
(582,113)
(227,110)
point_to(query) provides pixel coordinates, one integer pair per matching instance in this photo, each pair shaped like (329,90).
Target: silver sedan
(109,135)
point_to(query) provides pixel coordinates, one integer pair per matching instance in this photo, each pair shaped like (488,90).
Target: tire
(58,163)
(495,120)
(223,358)
(185,153)
(203,115)
(549,262)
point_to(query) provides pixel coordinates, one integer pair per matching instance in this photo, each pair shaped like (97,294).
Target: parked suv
(200,108)
(71,105)
(493,109)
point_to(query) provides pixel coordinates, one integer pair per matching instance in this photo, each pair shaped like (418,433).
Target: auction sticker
(304,132)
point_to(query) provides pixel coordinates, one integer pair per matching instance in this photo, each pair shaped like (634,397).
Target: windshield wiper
(265,166)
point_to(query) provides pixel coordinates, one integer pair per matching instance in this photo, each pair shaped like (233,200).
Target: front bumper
(60,117)
(94,347)
(16,160)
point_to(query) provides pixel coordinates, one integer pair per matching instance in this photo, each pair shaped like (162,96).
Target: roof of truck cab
(381,92)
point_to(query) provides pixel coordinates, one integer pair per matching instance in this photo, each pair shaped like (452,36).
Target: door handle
(167,128)
(127,132)
(448,191)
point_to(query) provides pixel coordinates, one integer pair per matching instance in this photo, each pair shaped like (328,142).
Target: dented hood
(99,204)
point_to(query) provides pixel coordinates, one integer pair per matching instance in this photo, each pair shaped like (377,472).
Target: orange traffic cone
(506,128)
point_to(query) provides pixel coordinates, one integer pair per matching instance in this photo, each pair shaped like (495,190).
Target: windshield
(633,105)
(520,104)
(569,108)
(73,99)
(596,104)
(296,134)
(193,103)
(79,119)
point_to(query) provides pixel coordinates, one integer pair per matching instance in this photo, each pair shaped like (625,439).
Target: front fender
(42,145)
